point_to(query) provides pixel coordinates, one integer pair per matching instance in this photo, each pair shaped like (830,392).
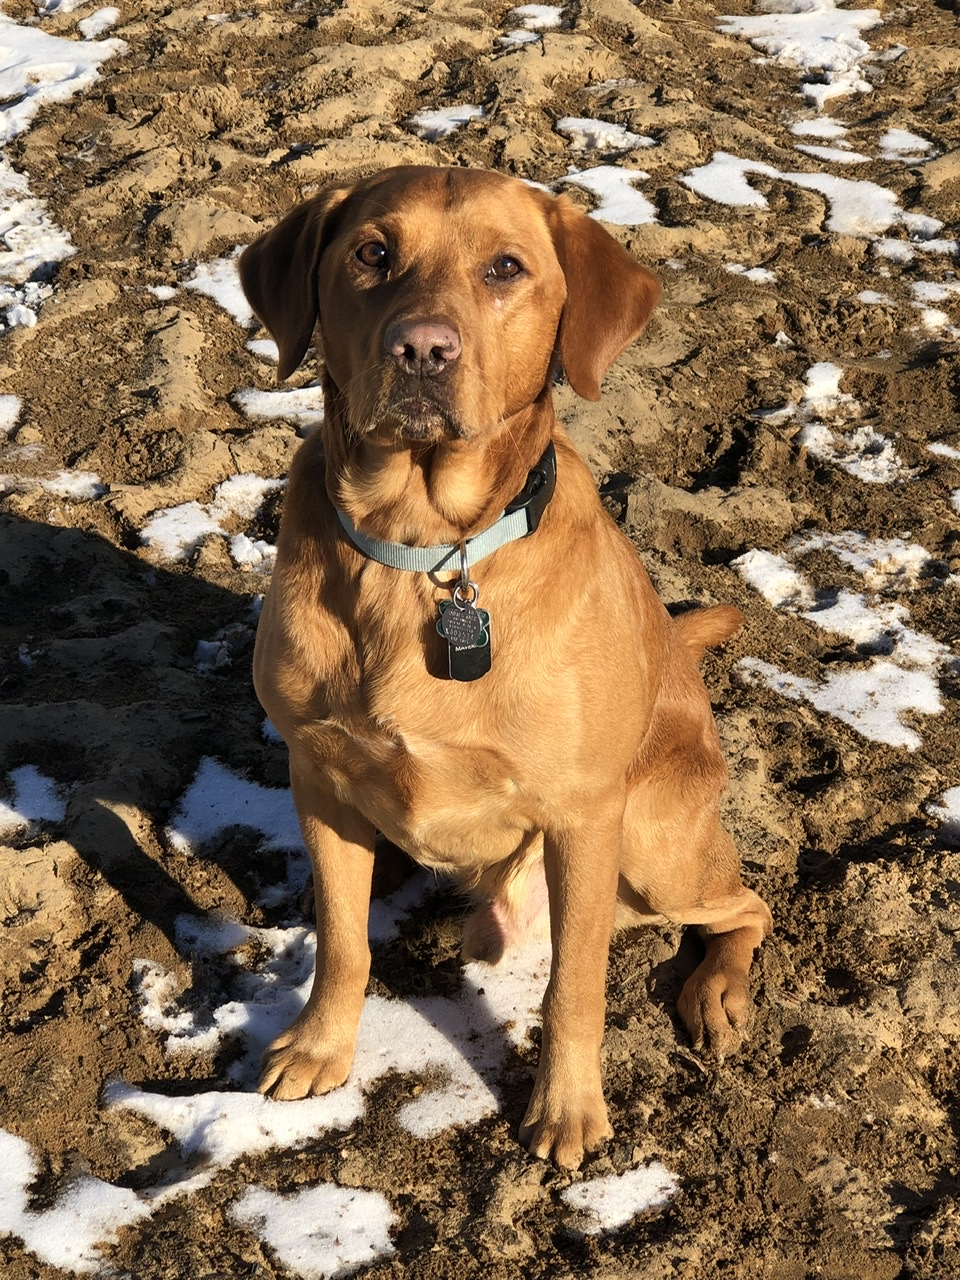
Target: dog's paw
(293,1068)
(715,1006)
(565,1134)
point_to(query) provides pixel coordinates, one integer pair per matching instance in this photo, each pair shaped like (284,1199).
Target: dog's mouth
(419,417)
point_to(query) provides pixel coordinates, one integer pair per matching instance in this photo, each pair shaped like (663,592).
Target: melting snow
(822,41)
(265,348)
(218,799)
(219,279)
(947,813)
(901,679)
(177,531)
(98,22)
(619,201)
(35,799)
(434,125)
(834,155)
(321,1231)
(885,564)
(822,127)
(516,39)
(37,69)
(10,410)
(537,17)
(873,700)
(608,1203)
(464,1041)
(901,144)
(863,452)
(588,134)
(87,1213)
(300,405)
(74,486)
(758,275)
(268,974)
(30,242)
(862,209)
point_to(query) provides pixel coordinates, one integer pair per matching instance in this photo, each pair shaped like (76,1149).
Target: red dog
(561,730)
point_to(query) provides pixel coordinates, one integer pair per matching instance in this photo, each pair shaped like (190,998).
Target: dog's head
(442,297)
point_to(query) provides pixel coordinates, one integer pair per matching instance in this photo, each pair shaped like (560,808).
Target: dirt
(828,1146)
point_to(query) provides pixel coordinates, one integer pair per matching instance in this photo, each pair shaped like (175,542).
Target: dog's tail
(700,629)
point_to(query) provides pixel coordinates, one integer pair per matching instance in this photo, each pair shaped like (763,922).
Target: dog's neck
(423,494)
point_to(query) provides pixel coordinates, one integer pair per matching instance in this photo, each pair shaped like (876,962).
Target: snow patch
(834,155)
(901,144)
(822,41)
(879,698)
(37,69)
(175,532)
(827,413)
(300,405)
(219,279)
(873,700)
(35,799)
(537,17)
(321,1231)
(757,275)
(99,21)
(88,1213)
(10,409)
(587,134)
(821,127)
(947,813)
(608,1203)
(619,201)
(862,209)
(218,799)
(434,125)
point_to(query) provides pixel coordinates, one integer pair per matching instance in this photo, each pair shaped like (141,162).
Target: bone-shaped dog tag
(466,630)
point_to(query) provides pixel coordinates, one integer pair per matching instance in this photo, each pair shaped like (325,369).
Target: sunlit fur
(576,785)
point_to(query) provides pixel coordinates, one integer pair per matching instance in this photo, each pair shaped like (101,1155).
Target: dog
(553,751)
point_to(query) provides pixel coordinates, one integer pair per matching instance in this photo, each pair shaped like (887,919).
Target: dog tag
(461,624)
(466,630)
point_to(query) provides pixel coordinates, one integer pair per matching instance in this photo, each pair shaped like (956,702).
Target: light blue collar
(442,555)
(519,519)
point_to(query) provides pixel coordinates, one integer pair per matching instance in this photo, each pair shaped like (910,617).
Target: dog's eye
(504,268)
(374,254)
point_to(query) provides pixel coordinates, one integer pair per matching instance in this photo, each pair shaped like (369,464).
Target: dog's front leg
(316,1051)
(567,1115)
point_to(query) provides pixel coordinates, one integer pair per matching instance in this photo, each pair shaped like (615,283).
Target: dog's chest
(450,802)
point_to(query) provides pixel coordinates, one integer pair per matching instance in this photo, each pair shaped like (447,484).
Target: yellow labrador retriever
(460,647)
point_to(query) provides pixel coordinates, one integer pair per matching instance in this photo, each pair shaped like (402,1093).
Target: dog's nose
(423,347)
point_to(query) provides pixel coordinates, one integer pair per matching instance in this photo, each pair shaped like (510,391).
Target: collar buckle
(538,490)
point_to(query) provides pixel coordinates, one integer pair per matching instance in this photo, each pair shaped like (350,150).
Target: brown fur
(587,757)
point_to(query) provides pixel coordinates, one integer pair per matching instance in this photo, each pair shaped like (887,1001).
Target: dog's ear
(278,273)
(609,295)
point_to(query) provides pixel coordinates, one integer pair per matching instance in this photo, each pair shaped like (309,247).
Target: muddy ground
(828,1146)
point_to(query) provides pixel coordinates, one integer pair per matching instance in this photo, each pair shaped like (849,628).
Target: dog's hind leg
(683,867)
(715,1003)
